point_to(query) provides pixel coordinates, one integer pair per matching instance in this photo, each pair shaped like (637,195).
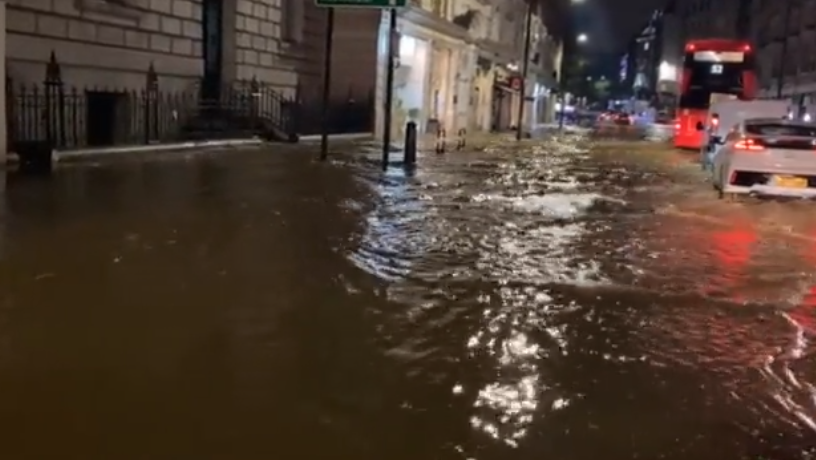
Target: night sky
(610,23)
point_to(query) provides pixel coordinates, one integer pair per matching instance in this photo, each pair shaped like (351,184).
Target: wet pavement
(557,299)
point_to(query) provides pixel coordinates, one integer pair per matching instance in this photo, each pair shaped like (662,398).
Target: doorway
(101,115)
(212,23)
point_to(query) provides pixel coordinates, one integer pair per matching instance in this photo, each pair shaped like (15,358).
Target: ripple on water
(557,323)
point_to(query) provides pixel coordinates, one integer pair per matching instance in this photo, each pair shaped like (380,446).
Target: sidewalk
(473,141)
(75,155)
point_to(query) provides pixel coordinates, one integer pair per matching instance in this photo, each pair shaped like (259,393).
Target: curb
(337,137)
(74,155)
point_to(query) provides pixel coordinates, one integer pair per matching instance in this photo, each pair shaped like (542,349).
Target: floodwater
(521,302)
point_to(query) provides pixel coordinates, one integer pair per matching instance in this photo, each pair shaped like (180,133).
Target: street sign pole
(389,86)
(327,71)
(392,6)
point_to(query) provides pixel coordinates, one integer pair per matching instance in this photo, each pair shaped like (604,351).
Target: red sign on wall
(515,83)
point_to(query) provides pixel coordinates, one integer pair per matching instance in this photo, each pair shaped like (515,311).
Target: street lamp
(582,38)
(525,69)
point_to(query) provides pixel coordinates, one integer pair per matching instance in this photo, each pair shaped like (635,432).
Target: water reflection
(732,249)
(497,304)
(505,408)
(583,293)
(3,214)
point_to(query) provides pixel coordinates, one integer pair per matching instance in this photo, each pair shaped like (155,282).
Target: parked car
(767,156)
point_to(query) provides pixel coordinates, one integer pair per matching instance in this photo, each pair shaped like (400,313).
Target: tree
(602,89)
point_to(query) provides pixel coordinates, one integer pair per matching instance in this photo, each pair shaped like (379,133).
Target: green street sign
(363,3)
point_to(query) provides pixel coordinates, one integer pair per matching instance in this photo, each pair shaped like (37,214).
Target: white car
(767,156)
(723,115)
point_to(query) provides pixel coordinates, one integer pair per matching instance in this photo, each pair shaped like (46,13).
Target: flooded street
(557,299)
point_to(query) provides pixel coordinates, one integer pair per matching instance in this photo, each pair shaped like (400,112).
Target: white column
(382,60)
(528,116)
(3,134)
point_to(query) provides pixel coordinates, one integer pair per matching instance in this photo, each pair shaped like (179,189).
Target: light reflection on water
(531,229)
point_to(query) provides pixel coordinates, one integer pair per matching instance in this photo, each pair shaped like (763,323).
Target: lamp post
(525,69)
(580,39)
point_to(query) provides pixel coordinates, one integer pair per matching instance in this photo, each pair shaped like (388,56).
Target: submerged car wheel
(728,196)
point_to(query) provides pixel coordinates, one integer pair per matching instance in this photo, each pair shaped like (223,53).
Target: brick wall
(310,67)
(354,53)
(355,60)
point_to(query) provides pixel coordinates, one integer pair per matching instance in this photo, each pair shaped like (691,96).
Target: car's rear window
(780,129)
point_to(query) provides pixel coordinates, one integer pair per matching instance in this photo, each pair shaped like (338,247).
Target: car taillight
(748,145)
(677,125)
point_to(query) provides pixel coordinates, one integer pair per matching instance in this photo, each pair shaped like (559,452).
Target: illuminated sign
(623,67)
(719,56)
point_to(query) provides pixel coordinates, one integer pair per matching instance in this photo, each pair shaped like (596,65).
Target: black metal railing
(345,116)
(73,117)
(246,107)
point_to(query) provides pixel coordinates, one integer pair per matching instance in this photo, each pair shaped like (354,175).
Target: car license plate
(790,181)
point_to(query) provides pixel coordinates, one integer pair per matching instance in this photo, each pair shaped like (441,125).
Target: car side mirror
(700,126)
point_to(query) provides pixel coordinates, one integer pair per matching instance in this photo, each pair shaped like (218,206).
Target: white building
(459,64)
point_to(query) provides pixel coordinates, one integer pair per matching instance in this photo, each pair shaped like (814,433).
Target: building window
(292,20)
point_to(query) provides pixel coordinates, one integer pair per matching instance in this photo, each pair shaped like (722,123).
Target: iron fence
(72,117)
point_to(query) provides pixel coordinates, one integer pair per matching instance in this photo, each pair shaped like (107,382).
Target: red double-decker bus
(712,68)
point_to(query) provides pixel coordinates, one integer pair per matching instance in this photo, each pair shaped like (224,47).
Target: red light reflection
(732,250)
(804,314)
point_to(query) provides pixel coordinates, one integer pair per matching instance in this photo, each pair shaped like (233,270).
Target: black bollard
(460,143)
(36,157)
(440,141)
(410,157)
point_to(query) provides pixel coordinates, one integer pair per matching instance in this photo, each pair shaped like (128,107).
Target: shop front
(411,84)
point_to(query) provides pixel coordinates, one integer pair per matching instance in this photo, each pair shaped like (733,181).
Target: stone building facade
(197,48)
(784,34)
(709,18)
(113,42)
